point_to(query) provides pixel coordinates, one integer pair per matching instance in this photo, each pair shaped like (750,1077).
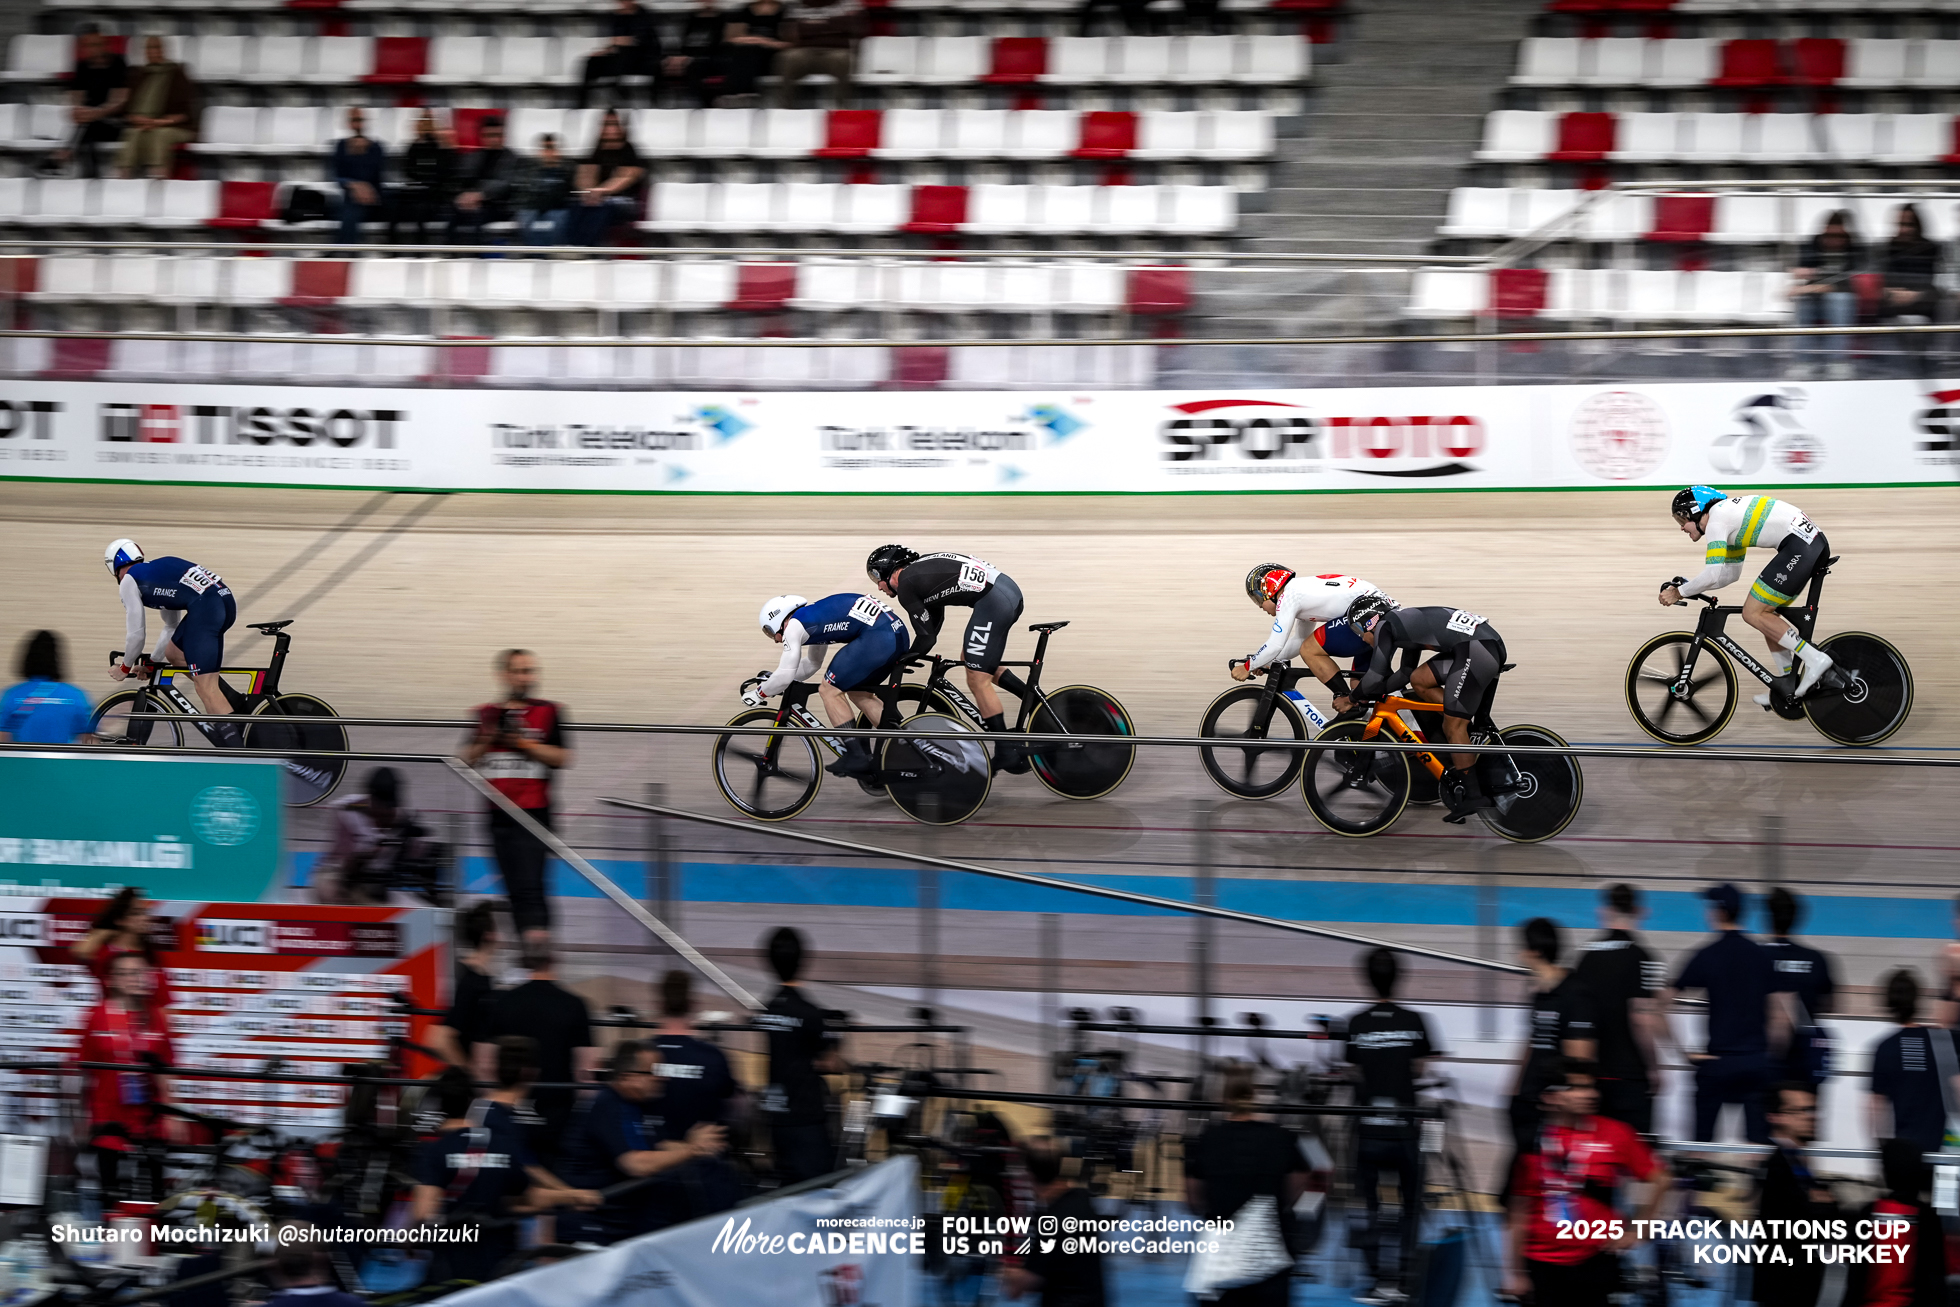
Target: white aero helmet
(778,610)
(121,553)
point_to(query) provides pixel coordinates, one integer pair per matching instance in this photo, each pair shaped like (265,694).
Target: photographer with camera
(519,743)
(378,845)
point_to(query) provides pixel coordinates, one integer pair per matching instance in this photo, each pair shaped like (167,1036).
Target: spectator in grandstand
(632,49)
(1055,1277)
(754,36)
(1569,1174)
(698,63)
(609,184)
(696,1083)
(801,1052)
(823,37)
(541,192)
(466,1023)
(1386,1044)
(421,192)
(1136,16)
(378,845)
(1239,1159)
(124,926)
(1914,1275)
(301,1271)
(1790,1192)
(1823,289)
(1804,973)
(1913,1091)
(1205,16)
(1745,1020)
(1623,978)
(360,166)
(127,1029)
(98,88)
(559,1024)
(614,1139)
(519,745)
(1562,1025)
(43,708)
(484,181)
(1910,262)
(160,115)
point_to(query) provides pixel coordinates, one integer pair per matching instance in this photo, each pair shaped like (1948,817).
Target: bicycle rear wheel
(1701,707)
(1537,794)
(1087,770)
(1252,770)
(1876,693)
(308,780)
(942,776)
(1354,790)
(768,777)
(127,719)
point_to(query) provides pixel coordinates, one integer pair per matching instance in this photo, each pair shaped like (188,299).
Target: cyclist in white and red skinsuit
(1303,606)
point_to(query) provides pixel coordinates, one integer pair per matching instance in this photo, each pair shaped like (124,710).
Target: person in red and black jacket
(1570,1174)
(127,1029)
(518,745)
(1917,1275)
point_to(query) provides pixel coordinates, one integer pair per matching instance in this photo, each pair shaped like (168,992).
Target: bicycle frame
(1387,716)
(795,711)
(1710,629)
(1027,692)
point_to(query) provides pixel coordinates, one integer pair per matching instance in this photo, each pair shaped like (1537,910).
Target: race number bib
(1803,529)
(1464,622)
(867,610)
(199,580)
(976,576)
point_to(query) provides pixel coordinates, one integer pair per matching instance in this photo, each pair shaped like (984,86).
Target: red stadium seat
(1586,138)
(1682,217)
(1018,59)
(77,360)
(1954,157)
(245,204)
(1819,61)
(468,124)
(937,210)
(398,60)
(20,274)
(918,367)
(1518,292)
(1107,134)
(1751,62)
(1159,290)
(763,287)
(851,134)
(318,283)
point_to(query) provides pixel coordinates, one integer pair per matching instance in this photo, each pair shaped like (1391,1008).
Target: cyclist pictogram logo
(1767,433)
(225,815)
(1619,435)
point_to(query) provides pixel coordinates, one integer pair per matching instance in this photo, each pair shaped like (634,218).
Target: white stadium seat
(1518,136)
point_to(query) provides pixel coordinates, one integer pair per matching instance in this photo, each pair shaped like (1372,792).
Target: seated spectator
(360,165)
(1908,1097)
(609,184)
(754,35)
(1070,1277)
(161,114)
(1136,16)
(822,36)
(44,708)
(422,188)
(541,193)
(632,49)
(482,181)
(612,1141)
(98,88)
(699,63)
(1824,293)
(1910,264)
(377,845)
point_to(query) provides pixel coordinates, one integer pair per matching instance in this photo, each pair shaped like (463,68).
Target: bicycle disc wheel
(1354,791)
(116,721)
(1703,706)
(768,777)
(942,776)
(1545,788)
(1877,692)
(1252,771)
(308,780)
(1092,768)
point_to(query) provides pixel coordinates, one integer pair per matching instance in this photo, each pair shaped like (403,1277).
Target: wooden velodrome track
(643,609)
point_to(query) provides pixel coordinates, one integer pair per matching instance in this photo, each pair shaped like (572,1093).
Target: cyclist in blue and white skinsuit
(873,643)
(197,609)
(1303,606)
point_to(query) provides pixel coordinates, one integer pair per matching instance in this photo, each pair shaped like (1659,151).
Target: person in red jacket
(127,1029)
(1918,1278)
(123,927)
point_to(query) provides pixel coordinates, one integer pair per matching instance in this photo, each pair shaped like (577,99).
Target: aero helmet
(886,559)
(1695,500)
(1366,607)
(121,553)
(778,610)
(1266,580)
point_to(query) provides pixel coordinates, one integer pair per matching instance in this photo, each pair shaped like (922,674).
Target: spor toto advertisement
(978,442)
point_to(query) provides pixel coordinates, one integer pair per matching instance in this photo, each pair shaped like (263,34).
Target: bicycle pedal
(1457,818)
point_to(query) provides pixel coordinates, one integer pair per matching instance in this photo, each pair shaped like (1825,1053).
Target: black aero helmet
(1266,580)
(886,559)
(1368,606)
(1695,500)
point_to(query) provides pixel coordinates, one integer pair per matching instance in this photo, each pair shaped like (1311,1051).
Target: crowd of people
(1840,279)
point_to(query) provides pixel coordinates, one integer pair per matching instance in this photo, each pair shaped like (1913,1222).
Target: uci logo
(219,935)
(23,929)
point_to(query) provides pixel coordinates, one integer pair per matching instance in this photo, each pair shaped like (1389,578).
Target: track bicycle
(1275,710)
(1680,686)
(269,717)
(1358,791)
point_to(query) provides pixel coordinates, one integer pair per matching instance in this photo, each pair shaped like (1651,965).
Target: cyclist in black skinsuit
(926,585)
(1469,655)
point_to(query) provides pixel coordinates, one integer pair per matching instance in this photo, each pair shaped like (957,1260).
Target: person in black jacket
(801,1052)
(1386,1045)
(1791,1193)
(632,49)
(1917,1278)
(1823,291)
(1804,973)
(1239,1159)
(1057,1278)
(422,190)
(483,180)
(698,62)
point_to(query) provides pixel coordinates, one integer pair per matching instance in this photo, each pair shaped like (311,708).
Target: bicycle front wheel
(1536,794)
(1353,789)
(1098,764)
(941,777)
(1674,711)
(768,777)
(308,779)
(128,719)
(1252,770)
(1874,694)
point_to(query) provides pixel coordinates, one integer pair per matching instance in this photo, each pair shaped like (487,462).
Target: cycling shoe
(856,760)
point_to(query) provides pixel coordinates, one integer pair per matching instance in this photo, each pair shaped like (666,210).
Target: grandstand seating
(1769,218)
(1617,295)
(1746,64)
(1516,136)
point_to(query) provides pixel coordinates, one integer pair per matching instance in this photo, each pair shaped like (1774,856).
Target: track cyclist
(926,585)
(872,643)
(1734,524)
(1301,606)
(196,608)
(1469,657)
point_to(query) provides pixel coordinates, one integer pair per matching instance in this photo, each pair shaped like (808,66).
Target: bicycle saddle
(1506,667)
(267,628)
(1047,626)
(1824,567)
